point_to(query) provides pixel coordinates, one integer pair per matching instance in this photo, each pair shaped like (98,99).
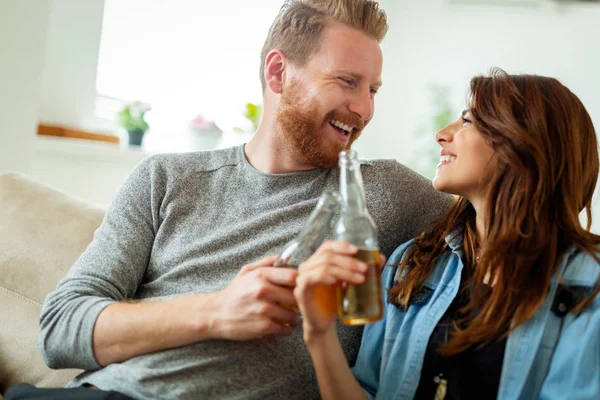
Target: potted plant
(252,112)
(205,133)
(132,119)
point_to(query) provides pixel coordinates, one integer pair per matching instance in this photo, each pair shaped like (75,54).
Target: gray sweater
(186,223)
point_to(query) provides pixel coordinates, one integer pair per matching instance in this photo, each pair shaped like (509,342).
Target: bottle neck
(352,191)
(317,226)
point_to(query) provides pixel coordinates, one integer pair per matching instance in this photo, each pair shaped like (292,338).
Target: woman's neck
(480,228)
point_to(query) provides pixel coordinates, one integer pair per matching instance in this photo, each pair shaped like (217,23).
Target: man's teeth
(341,125)
(448,159)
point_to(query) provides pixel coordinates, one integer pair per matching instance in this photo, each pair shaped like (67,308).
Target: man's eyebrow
(358,77)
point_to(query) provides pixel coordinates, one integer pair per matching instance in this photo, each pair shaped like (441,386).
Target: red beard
(301,129)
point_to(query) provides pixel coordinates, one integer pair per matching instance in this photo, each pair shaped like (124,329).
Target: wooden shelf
(50,130)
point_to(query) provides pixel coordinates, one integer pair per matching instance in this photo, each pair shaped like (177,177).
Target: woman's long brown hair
(546,158)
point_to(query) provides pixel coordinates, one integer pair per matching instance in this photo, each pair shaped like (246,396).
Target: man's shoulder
(388,174)
(200,161)
(377,164)
(388,168)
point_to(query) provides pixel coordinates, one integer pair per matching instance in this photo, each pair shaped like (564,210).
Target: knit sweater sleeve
(110,270)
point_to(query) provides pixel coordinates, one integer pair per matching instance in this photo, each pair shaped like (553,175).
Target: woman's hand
(316,284)
(315,293)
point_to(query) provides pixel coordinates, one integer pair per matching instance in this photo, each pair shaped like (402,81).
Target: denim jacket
(548,357)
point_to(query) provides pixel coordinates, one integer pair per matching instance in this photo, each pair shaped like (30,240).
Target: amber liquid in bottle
(361,304)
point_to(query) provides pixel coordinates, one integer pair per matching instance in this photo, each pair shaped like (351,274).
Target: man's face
(327,103)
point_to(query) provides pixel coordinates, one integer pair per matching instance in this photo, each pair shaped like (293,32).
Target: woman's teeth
(447,159)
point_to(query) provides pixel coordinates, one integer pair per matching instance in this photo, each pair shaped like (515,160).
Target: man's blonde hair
(297,29)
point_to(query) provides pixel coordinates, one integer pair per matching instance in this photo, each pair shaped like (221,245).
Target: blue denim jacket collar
(454,241)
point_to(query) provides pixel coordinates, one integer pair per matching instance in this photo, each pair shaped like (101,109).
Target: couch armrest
(42,232)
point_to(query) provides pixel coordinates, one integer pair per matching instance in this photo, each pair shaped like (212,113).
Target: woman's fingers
(337,246)
(382,261)
(328,259)
(328,275)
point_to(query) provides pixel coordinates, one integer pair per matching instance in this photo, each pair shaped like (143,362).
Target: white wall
(48,62)
(23,25)
(91,171)
(438,41)
(69,75)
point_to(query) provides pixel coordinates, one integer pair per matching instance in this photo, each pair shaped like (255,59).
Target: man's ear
(275,65)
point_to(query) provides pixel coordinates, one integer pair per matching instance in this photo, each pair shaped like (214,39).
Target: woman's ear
(275,64)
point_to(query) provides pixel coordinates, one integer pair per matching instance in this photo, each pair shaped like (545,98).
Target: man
(159,305)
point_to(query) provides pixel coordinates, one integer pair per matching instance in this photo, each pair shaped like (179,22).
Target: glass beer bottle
(357,304)
(310,238)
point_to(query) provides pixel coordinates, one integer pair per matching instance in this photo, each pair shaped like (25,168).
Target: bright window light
(185,57)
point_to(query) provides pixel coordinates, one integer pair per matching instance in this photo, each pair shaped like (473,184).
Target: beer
(361,304)
(357,304)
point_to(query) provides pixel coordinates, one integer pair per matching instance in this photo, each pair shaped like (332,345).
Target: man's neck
(266,155)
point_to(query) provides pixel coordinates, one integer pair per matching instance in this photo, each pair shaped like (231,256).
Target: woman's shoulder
(582,268)
(391,274)
(398,254)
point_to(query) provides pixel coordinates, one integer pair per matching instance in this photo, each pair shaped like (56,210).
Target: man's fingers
(284,315)
(263,262)
(273,293)
(275,328)
(266,327)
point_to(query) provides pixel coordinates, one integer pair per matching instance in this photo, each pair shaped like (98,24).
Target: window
(184,58)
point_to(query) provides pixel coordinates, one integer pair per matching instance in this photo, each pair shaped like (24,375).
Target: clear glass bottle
(357,304)
(312,234)
(310,238)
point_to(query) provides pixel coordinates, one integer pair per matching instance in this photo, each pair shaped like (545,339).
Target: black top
(472,374)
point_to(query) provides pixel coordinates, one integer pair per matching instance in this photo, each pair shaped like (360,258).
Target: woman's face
(466,160)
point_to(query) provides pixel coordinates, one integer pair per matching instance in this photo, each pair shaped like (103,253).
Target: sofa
(42,232)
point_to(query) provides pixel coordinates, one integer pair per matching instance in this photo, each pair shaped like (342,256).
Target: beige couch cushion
(42,232)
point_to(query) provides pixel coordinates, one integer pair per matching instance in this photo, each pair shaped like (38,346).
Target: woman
(500,299)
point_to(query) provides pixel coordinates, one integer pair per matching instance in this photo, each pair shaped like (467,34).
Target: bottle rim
(348,155)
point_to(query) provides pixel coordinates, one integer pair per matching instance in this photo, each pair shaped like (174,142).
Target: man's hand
(251,306)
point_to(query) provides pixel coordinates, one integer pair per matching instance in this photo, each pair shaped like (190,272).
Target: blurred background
(79,80)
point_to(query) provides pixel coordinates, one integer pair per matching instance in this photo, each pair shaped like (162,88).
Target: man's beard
(301,127)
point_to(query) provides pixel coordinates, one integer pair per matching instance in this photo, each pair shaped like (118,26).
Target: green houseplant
(132,119)
(252,112)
